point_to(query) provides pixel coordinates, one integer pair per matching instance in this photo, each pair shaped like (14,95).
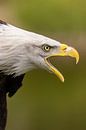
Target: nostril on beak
(64,48)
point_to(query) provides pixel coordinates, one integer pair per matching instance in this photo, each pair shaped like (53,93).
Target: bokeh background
(44,103)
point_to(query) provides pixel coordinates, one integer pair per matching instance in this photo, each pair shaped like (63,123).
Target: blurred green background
(44,103)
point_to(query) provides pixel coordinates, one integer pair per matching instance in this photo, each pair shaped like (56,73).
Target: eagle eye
(46,48)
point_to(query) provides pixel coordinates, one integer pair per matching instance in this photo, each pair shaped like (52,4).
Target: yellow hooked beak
(63,50)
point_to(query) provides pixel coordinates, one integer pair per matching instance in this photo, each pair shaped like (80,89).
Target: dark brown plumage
(3,22)
(8,85)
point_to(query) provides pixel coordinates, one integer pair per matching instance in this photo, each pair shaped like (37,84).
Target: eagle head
(22,51)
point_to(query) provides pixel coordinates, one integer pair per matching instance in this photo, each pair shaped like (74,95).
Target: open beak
(63,50)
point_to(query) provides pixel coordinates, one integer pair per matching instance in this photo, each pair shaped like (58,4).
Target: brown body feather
(8,85)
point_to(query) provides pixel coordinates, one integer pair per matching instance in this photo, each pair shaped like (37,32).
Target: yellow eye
(46,48)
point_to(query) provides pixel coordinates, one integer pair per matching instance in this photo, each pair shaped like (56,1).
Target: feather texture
(16,49)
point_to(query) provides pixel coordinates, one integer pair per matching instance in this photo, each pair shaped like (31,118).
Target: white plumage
(19,49)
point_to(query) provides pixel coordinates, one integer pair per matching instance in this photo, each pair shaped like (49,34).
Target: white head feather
(19,49)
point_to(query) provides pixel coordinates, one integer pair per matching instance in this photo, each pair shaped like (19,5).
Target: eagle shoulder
(10,84)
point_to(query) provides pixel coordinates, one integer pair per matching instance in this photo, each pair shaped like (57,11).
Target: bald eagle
(22,51)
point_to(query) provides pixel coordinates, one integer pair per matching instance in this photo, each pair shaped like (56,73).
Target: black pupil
(47,47)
